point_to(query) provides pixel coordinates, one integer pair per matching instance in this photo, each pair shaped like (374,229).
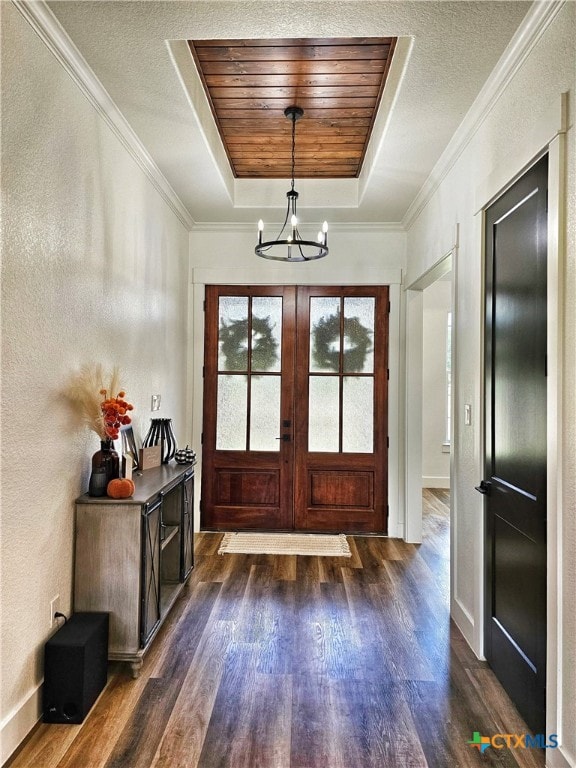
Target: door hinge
(203,371)
(388,373)
(202,439)
(387,442)
(388,307)
(204,306)
(545,365)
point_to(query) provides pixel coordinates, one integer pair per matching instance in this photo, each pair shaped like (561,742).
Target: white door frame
(414,393)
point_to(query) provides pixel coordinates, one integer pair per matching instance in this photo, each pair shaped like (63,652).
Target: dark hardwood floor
(301,662)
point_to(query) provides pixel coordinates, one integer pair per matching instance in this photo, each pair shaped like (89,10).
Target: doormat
(285,544)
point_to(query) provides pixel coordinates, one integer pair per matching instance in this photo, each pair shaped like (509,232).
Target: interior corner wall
(437,300)
(518,126)
(94,268)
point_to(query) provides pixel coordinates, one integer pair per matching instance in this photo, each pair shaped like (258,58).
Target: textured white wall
(437,300)
(509,136)
(363,251)
(94,268)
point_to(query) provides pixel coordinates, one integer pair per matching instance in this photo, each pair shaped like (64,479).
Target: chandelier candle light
(292,247)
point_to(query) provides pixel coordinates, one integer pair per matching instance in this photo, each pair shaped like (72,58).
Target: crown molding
(541,14)
(55,37)
(353,226)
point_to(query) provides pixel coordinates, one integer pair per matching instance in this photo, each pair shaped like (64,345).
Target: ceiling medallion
(292,247)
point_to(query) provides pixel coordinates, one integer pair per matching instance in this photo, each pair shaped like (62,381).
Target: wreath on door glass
(233,344)
(326,343)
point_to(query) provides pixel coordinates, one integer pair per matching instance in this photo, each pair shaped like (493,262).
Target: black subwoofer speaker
(75,668)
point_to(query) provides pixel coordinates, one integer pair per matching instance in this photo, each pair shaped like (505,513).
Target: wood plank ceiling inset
(338,82)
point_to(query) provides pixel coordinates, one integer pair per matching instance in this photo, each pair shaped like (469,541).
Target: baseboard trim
(18,724)
(559,758)
(464,621)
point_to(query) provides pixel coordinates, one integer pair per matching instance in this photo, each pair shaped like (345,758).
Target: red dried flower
(114,413)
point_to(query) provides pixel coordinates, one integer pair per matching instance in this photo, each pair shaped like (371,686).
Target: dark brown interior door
(295,409)
(515,475)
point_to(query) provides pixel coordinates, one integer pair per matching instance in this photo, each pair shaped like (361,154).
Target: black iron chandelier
(291,247)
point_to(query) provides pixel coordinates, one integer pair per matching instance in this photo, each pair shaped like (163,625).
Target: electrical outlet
(54,608)
(155,405)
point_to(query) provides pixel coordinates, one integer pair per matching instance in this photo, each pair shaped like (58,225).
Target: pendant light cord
(293,147)
(294,242)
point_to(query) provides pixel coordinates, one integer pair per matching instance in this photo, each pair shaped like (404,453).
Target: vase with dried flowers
(104,410)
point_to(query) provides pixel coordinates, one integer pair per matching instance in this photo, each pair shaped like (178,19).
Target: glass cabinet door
(150,589)
(187,557)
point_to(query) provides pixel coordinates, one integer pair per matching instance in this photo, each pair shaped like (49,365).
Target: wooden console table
(134,556)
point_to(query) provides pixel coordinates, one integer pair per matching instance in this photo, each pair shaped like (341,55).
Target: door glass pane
(265,413)
(325,333)
(357,414)
(233,333)
(358,334)
(266,332)
(323,415)
(231,414)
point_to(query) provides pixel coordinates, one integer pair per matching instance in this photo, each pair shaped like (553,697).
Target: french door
(295,409)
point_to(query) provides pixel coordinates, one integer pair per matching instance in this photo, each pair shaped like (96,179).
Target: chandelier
(289,246)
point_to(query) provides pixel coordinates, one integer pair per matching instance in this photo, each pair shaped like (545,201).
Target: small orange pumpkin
(120,488)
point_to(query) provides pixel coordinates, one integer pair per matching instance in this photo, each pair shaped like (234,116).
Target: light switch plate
(155,406)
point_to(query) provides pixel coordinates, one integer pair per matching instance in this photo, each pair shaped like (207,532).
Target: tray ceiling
(338,82)
(444,54)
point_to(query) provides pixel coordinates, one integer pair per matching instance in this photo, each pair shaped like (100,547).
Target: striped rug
(285,544)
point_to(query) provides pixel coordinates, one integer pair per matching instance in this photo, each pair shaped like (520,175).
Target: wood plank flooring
(301,662)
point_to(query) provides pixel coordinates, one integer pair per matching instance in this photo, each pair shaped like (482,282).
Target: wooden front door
(295,409)
(515,473)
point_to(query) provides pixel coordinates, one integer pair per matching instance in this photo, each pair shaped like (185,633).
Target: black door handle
(284,438)
(484,487)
